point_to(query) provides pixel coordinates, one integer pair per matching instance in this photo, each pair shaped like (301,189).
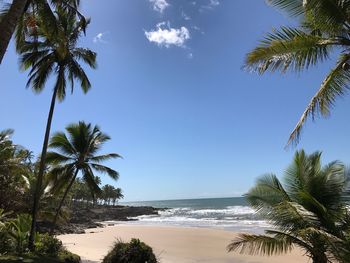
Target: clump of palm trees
(309,210)
(82,197)
(110,195)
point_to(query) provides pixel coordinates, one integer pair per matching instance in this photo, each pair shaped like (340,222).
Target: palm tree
(9,22)
(77,154)
(324,28)
(21,14)
(307,211)
(55,53)
(117,194)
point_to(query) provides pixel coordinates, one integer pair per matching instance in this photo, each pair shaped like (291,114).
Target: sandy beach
(170,244)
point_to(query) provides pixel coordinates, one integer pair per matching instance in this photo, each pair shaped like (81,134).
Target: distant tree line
(82,195)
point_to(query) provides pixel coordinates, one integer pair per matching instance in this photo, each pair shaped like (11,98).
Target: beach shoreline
(171,244)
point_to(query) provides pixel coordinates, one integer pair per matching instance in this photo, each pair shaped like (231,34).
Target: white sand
(170,244)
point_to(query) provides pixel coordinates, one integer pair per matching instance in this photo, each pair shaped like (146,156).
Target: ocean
(223,213)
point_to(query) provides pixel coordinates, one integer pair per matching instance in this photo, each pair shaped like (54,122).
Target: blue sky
(171,92)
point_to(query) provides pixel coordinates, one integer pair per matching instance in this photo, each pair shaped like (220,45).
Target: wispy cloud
(99,38)
(166,36)
(159,5)
(185,16)
(198,29)
(210,5)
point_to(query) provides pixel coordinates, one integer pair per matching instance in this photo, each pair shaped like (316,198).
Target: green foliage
(68,257)
(63,257)
(324,28)
(15,161)
(48,51)
(18,230)
(77,153)
(48,245)
(110,195)
(308,210)
(7,245)
(133,252)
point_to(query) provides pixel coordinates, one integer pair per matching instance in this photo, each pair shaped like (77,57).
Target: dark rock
(85,218)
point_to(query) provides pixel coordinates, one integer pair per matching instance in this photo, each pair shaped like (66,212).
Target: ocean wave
(241,218)
(230,210)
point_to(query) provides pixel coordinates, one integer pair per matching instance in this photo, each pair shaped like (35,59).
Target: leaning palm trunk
(8,24)
(62,201)
(41,171)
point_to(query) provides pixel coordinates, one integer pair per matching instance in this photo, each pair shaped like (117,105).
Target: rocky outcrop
(84,218)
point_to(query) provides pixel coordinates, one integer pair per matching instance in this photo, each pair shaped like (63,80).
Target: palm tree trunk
(62,200)
(8,24)
(41,172)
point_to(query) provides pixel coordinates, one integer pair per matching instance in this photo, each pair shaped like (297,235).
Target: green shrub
(68,257)
(133,252)
(18,231)
(48,245)
(7,245)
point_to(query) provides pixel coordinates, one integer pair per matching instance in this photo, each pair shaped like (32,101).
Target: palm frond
(88,177)
(60,141)
(334,85)
(104,169)
(104,157)
(267,192)
(289,48)
(260,245)
(57,158)
(292,7)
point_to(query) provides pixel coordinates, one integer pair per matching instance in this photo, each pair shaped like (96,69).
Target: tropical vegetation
(324,29)
(45,51)
(17,172)
(14,237)
(19,16)
(77,153)
(308,209)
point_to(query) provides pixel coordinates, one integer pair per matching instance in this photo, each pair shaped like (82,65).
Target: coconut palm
(324,29)
(77,153)
(307,211)
(21,15)
(57,54)
(9,22)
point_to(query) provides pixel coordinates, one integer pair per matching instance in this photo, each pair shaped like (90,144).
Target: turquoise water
(224,213)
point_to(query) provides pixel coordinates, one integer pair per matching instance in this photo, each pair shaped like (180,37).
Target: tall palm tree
(307,211)
(324,29)
(55,53)
(77,153)
(9,22)
(16,15)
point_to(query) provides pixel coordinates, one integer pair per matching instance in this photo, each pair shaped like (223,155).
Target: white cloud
(159,5)
(166,36)
(99,38)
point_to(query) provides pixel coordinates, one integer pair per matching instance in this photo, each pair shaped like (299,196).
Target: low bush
(133,252)
(6,243)
(48,245)
(68,257)
(63,257)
